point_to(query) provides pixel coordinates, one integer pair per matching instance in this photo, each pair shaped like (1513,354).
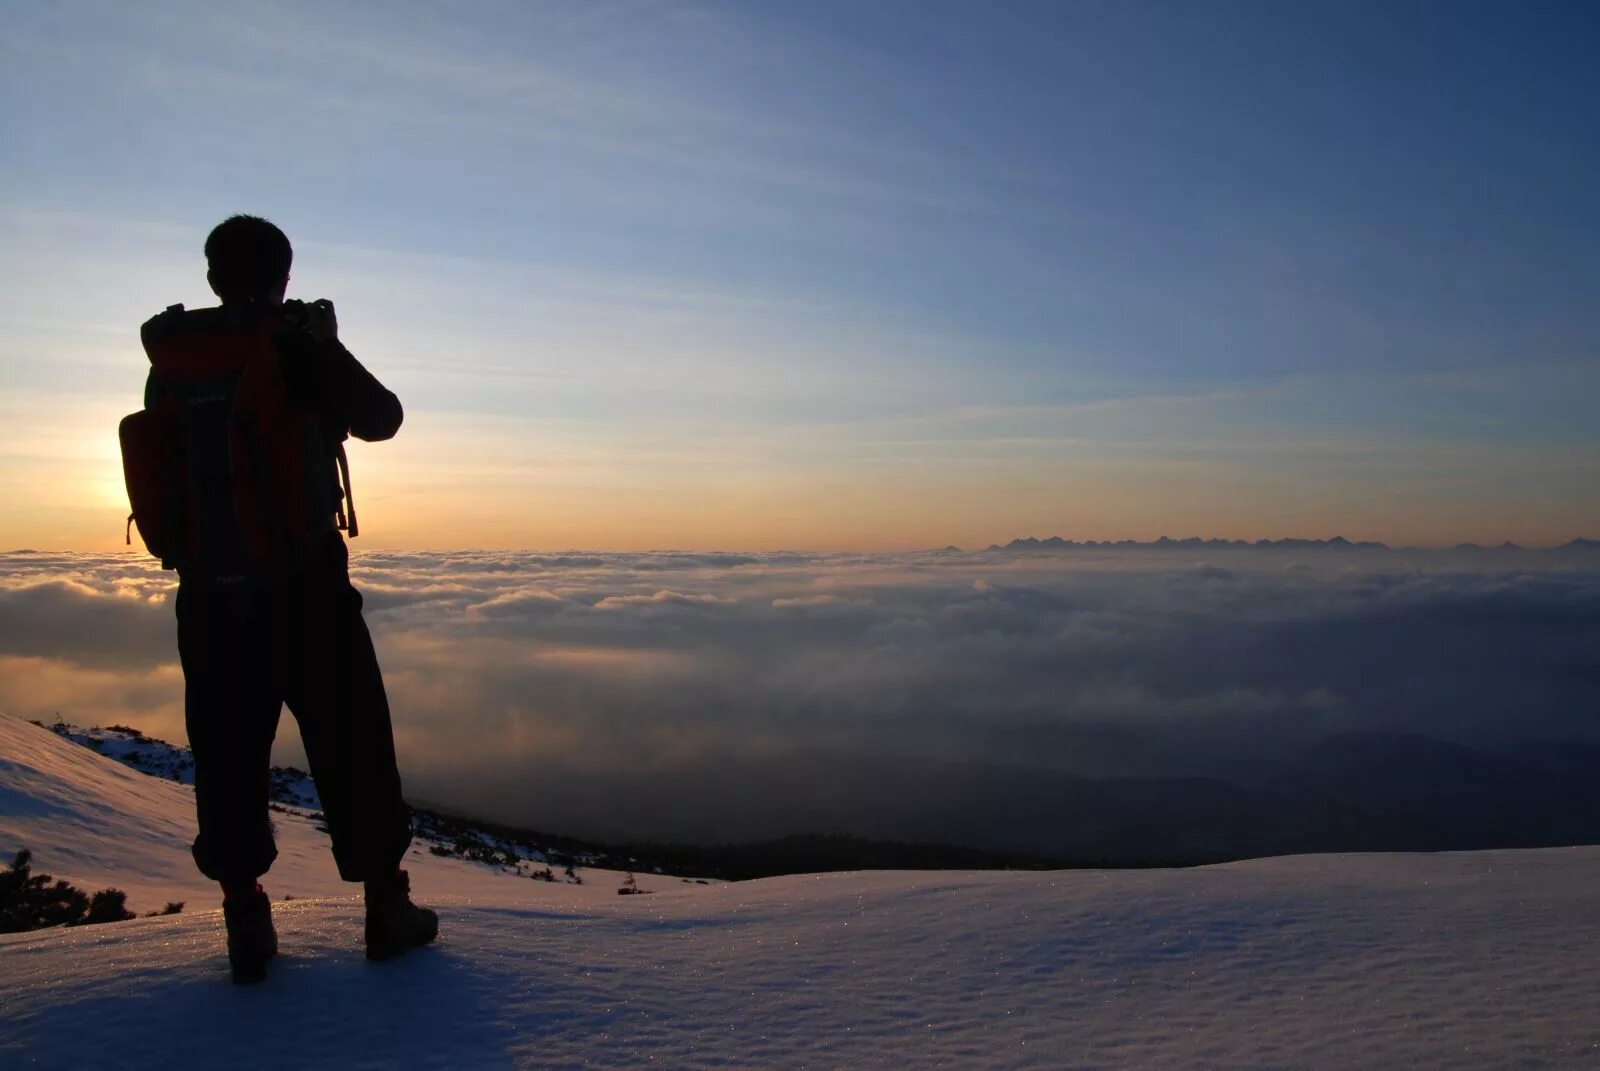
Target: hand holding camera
(315,317)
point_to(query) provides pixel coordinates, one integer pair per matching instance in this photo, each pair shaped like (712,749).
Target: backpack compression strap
(347,505)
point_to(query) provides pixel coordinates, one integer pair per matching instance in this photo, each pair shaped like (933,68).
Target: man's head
(249,260)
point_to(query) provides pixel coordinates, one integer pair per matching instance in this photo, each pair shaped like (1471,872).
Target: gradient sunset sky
(856,275)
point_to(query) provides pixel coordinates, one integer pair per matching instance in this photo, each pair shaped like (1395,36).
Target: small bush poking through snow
(31,901)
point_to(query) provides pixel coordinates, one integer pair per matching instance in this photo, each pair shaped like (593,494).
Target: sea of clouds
(732,696)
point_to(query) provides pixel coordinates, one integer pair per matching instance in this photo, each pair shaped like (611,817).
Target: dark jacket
(347,399)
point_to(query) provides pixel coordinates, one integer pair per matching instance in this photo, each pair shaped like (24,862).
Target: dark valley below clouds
(1149,703)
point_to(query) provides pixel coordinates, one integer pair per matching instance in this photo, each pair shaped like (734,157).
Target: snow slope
(1460,960)
(96,822)
(293,792)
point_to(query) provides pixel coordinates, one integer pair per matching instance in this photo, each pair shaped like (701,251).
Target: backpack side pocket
(152,469)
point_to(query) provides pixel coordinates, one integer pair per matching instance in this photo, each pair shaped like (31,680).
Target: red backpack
(229,479)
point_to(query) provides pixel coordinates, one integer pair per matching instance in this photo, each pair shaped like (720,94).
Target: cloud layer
(725,696)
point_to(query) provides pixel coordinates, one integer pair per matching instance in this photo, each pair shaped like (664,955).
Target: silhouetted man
(246,411)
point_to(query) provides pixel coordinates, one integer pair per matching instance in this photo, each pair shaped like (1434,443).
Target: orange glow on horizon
(450,486)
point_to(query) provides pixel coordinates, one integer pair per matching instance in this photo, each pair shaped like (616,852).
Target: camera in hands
(316,317)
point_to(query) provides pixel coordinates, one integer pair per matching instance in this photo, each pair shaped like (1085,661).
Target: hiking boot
(394,923)
(251,939)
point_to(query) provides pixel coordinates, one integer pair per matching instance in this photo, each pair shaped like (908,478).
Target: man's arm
(368,408)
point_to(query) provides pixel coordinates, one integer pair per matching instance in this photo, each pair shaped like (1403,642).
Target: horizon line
(1336,542)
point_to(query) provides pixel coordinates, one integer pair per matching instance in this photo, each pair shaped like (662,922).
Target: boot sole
(381,953)
(249,973)
(255,971)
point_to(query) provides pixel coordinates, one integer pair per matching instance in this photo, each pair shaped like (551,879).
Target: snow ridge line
(293,791)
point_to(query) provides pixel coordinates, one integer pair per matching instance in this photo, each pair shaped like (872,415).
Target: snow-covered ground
(1481,960)
(293,793)
(97,822)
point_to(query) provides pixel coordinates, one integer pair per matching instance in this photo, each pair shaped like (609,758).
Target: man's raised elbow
(384,424)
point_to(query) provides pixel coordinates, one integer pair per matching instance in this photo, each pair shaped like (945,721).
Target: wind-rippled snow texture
(1467,960)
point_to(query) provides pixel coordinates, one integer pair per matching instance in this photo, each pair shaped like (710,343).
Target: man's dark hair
(248,257)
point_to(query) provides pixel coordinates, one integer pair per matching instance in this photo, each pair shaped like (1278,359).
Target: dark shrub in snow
(31,901)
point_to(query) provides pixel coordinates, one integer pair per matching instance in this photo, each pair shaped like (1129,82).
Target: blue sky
(833,275)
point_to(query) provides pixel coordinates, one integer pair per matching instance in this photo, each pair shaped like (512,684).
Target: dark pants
(245,655)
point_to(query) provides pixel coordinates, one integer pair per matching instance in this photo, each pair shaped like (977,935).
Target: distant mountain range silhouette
(1336,543)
